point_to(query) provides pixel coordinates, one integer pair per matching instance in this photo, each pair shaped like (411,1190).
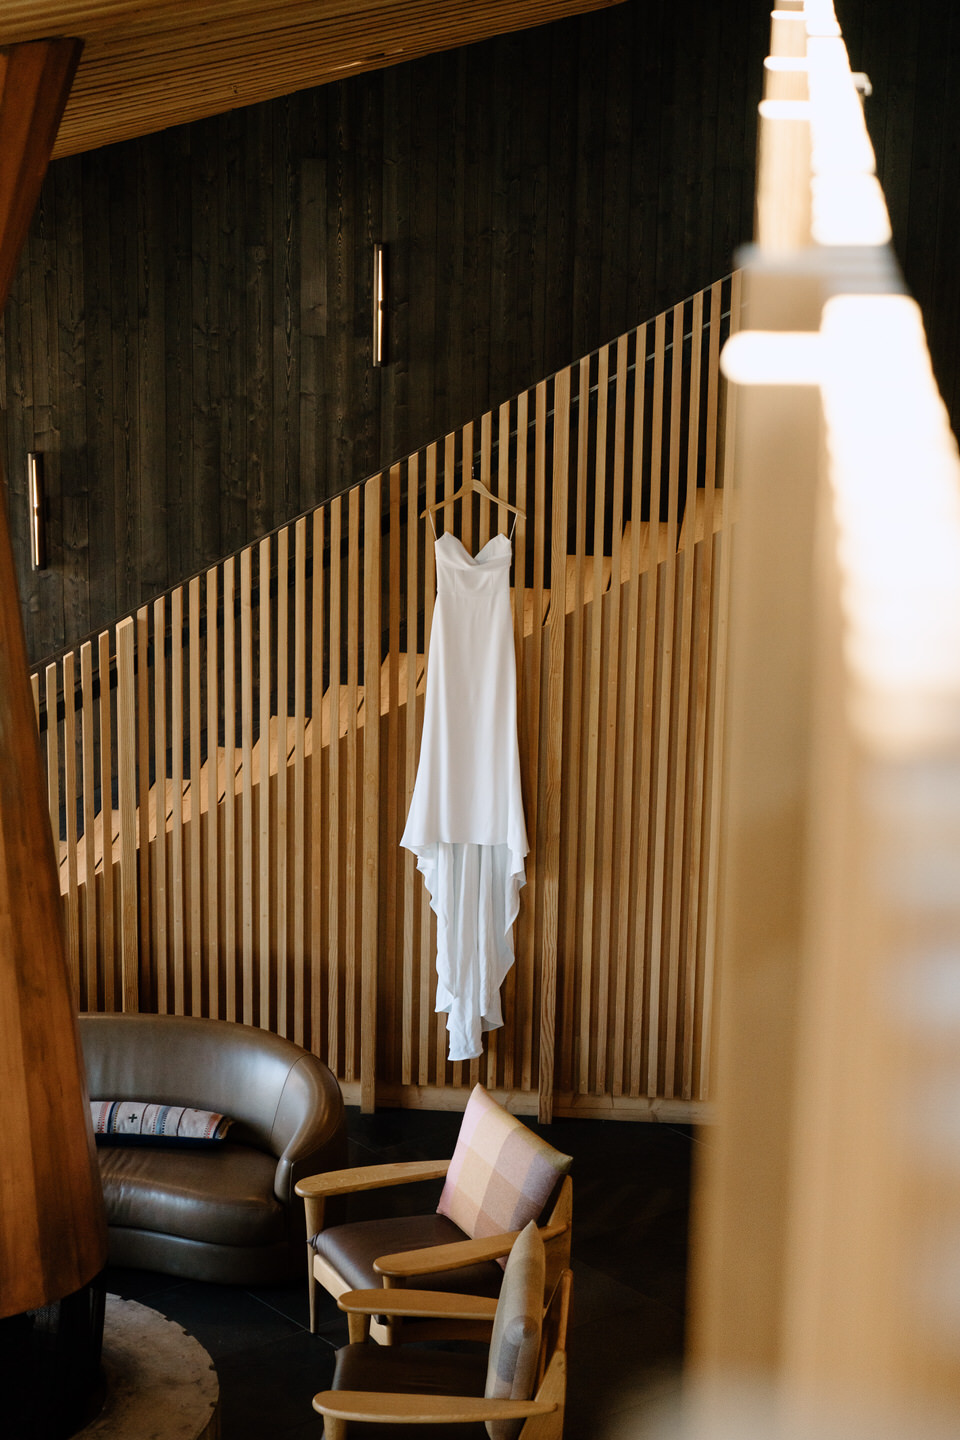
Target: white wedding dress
(465,823)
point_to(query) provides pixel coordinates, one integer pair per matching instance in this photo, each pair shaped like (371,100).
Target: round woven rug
(161,1383)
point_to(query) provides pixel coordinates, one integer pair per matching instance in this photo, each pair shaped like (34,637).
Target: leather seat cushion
(222,1195)
(411,1371)
(352,1249)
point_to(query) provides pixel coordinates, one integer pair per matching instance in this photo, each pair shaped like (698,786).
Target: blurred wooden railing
(826,1276)
(230,768)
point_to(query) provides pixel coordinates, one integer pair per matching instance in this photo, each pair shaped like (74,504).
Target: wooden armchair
(519,1177)
(517,1392)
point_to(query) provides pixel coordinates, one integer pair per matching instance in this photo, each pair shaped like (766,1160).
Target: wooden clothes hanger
(466,488)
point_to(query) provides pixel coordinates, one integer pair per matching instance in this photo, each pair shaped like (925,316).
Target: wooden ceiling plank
(362,45)
(129,86)
(23,20)
(418,22)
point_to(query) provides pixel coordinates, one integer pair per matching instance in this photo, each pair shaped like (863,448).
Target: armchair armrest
(370,1177)
(421,1304)
(460,1253)
(315,1190)
(423,1409)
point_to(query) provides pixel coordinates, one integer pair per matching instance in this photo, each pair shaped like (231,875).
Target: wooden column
(370,801)
(52,1228)
(742,1209)
(35,81)
(554,748)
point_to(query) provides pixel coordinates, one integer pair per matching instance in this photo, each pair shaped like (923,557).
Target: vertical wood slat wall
(230,779)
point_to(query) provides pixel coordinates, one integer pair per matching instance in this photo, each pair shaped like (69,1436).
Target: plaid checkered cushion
(501,1174)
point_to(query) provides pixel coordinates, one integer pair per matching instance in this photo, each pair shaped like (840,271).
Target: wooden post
(370,878)
(767,765)
(52,1228)
(35,81)
(554,722)
(127,757)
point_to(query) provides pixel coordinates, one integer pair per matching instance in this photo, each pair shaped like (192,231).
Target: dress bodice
(484,574)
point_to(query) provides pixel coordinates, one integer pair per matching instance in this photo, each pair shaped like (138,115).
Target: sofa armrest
(308,1131)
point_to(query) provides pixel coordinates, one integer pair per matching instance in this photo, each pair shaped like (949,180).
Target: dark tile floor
(631,1194)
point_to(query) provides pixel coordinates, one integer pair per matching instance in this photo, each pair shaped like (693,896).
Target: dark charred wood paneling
(912,56)
(189,337)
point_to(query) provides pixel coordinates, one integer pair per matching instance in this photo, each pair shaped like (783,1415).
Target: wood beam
(35,81)
(52,1226)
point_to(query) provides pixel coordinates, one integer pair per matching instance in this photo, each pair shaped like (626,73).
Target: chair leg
(358,1327)
(311,1291)
(334,1428)
(391,1324)
(553,1387)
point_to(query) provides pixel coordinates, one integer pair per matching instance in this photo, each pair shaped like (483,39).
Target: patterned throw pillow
(501,1174)
(144,1122)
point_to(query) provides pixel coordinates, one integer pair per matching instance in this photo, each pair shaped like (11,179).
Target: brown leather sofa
(225,1212)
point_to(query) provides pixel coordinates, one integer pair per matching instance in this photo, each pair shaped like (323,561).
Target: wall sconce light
(38,546)
(379,304)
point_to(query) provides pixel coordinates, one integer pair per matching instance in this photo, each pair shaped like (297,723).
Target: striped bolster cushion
(501,1174)
(146,1121)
